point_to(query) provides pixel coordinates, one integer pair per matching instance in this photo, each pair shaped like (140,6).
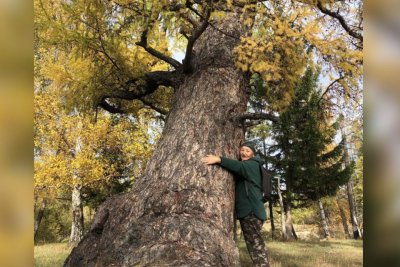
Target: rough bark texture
(77,216)
(180,212)
(324,223)
(38,219)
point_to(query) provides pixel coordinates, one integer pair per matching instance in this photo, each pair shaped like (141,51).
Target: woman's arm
(231,165)
(211,159)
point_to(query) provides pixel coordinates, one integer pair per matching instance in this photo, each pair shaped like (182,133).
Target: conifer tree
(305,154)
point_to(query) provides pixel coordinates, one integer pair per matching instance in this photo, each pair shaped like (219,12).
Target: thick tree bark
(179,213)
(324,223)
(343,217)
(38,219)
(77,216)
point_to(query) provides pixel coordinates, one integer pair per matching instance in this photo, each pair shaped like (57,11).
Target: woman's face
(246,153)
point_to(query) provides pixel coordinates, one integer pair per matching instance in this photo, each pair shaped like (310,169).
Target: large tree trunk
(324,223)
(343,217)
(77,216)
(179,213)
(38,219)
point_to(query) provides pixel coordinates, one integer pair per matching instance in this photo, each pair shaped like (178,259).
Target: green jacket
(248,198)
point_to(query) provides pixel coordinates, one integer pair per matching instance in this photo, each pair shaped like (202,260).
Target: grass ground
(51,255)
(328,253)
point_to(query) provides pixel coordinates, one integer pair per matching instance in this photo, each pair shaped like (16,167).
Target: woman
(248,200)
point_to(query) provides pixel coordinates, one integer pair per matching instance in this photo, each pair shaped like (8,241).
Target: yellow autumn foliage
(70,148)
(287,37)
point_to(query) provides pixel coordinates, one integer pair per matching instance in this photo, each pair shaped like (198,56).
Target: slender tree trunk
(270,203)
(179,213)
(283,227)
(343,217)
(290,232)
(77,216)
(324,223)
(38,219)
(271,215)
(353,215)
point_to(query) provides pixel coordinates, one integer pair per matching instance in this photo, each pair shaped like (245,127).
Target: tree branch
(110,108)
(213,26)
(252,123)
(155,53)
(190,19)
(152,81)
(341,20)
(256,116)
(153,106)
(192,39)
(103,49)
(329,87)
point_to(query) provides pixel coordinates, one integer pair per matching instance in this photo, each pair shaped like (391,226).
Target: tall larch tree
(180,212)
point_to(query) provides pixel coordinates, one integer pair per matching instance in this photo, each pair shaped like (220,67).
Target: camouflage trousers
(251,228)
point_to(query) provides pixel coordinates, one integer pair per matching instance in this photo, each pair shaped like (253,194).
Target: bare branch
(212,25)
(152,81)
(192,39)
(110,108)
(157,54)
(329,87)
(189,6)
(256,116)
(184,34)
(341,20)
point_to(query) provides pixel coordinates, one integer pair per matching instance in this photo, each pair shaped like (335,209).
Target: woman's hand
(211,159)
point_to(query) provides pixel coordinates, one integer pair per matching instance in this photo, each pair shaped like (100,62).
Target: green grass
(327,253)
(51,255)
